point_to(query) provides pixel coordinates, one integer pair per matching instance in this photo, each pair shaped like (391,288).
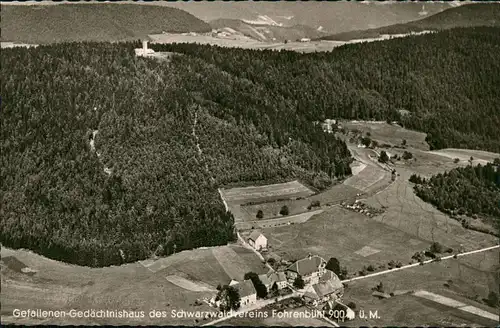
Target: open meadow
(353,238)
(172,283)
(389,133)
(407,212)
(272,209)
(236,41)
(467,279)
(264,317)
(266,193)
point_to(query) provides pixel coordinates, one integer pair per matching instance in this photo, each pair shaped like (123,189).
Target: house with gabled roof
(310,269)
(257,240)
(247,292)
(328,288)
(274,278)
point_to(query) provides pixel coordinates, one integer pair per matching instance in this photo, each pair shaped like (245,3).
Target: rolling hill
(479,14)
(266,33)
(92,22)
(332,17)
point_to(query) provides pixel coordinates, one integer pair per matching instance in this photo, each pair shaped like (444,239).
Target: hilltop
(93,22)
(332,17)
(485,14)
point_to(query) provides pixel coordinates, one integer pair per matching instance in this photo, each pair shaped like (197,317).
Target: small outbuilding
(257,240)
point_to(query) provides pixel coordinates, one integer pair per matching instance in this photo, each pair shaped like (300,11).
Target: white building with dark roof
(272,278)
(248,294)
(329,287)
(310,269)
(257,240)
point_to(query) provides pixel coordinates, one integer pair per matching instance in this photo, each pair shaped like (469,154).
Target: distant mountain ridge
(93,22)
(471,15)
(333,17)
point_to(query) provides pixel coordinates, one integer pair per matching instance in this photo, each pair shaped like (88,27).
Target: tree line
(471,190)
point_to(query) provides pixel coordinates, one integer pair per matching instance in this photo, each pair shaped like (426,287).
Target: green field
(469,278)
(135,286)
(340,233)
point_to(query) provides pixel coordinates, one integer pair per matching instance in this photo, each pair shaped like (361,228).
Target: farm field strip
(297,218)
(271,209)
(234,266)
(417,264)
(283,190)
(189,285)
(408,213)
(456,304)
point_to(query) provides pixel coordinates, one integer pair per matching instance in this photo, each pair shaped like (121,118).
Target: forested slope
(448,81)
(477,14)
(93,22)
(162,193)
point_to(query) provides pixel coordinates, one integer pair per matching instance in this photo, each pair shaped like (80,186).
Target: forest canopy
(447,81)
(109,158)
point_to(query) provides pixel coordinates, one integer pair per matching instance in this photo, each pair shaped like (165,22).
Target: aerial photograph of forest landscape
(250,163)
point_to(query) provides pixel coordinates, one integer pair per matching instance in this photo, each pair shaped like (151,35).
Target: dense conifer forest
(172,132)
(448,81)
(471,190)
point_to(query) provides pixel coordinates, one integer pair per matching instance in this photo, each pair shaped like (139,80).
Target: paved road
(417,264)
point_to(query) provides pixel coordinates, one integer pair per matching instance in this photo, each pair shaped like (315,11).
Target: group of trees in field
(229,298)
(448,82)
(471,190)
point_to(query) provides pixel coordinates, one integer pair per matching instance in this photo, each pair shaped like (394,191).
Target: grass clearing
(247,43)
(189,285)
(278,222)
(389,133)
(234,265)
(59,286)
(408,213)
(272,209)
(266,193)
(339,233)
(469,278)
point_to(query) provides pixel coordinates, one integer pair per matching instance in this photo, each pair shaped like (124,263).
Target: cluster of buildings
(321,286)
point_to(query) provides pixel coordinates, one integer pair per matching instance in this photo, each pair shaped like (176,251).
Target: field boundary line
(418,263)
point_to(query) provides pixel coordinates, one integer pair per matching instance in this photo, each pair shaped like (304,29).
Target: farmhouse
(247,292)
(272,278)
(310,268)
(257,240)
(328,288)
